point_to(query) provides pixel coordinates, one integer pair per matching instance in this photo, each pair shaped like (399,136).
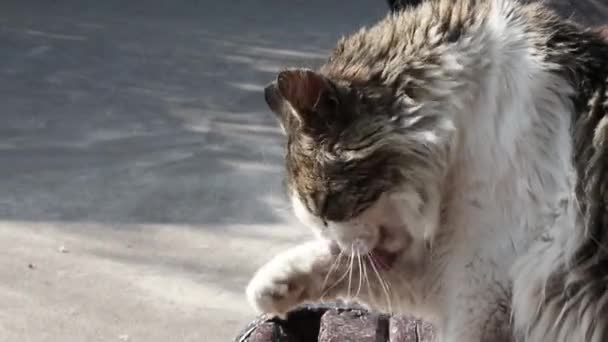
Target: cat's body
(456,151)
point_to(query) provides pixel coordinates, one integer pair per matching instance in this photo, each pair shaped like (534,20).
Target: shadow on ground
(135,138)
(145,119)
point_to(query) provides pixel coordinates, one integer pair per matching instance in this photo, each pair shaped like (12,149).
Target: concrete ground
(140,171)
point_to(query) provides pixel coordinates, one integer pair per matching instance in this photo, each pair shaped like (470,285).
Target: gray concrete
(140,172)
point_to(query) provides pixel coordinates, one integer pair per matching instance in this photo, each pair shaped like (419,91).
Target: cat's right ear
(276,103)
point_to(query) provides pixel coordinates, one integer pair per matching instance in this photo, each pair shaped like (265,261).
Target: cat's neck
(515,109)
(514,146)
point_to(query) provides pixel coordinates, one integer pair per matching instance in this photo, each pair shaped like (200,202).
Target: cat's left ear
(308,92)
(301,96)
(278,105)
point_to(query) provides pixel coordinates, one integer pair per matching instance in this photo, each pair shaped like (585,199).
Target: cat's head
(364,167)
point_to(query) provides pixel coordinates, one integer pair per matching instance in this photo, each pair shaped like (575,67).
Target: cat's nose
(355,237)
(360,246)
(334,248)
(327,206)
(357,246)
(317,202)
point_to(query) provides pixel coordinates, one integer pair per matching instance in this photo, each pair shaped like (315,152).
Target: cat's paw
(276,289)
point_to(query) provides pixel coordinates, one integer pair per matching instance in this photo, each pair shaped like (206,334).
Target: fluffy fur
(452,162)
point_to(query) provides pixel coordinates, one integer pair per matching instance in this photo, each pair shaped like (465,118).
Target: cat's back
(416,40)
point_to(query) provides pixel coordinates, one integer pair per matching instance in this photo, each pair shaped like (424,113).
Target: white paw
(276,290)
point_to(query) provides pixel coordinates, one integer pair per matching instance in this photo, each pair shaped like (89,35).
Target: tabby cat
(452,161)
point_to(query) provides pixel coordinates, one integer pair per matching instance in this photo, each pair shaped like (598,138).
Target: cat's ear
(278,105)
(309,93)
(301,97)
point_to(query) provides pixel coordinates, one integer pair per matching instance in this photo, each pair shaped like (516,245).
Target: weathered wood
(353,325)
(337,323)
(270,332)
(410,329)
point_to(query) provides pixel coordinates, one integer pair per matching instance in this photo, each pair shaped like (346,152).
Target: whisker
(350,269)
(370,293)
(384,288)
(389,292)
(332,269)
(377,261)
(360,266)
(337,281)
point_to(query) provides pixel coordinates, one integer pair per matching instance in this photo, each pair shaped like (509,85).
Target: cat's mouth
(383,258)
(380,257)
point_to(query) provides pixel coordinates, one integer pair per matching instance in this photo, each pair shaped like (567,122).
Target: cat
(452,162)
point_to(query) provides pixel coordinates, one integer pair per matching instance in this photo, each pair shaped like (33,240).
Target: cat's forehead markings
(305,143)
(428,136)
(353,155)
(325,155)
(409,121)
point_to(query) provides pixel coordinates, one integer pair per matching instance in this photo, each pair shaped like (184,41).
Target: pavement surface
(140,171)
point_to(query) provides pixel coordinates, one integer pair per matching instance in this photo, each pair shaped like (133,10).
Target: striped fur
(561,286)
(466,140)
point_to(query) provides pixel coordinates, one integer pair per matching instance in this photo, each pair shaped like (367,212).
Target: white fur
(506,197)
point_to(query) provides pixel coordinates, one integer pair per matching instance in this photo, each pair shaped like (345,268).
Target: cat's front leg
(291,278)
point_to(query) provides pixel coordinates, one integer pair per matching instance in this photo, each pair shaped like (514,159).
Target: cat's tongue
(383,259)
